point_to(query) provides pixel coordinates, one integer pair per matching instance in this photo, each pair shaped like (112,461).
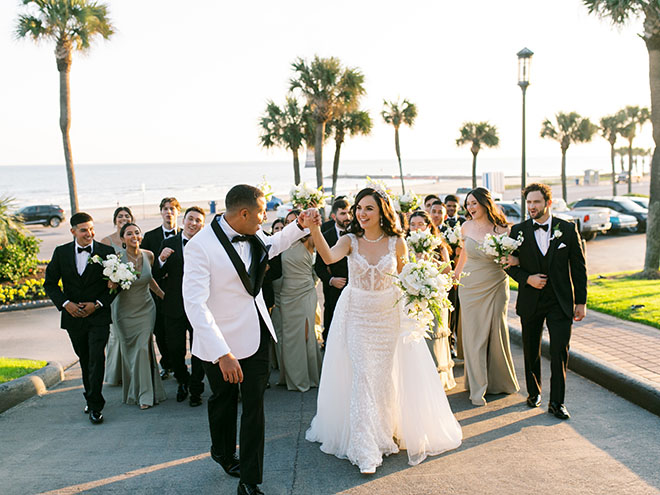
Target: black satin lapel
(233,255)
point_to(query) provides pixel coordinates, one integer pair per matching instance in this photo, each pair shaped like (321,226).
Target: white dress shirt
(340,232)
(82,258)
(243,248)
(543,236)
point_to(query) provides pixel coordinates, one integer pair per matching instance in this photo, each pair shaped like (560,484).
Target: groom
(552,278)
(225,265)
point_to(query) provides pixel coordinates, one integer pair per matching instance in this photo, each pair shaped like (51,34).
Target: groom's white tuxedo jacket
(221,311)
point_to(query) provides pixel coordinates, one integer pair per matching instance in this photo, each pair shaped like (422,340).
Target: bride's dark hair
(387,215)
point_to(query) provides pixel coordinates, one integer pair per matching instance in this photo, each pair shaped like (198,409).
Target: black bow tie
(241,238)
(86,248)
(540,226)
(342,232)
(170,232)
(185,241)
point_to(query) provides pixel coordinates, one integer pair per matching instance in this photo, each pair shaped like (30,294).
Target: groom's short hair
(242,196)
(544,189)
(80,217)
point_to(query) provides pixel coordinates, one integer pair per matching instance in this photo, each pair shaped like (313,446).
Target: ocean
(134,184)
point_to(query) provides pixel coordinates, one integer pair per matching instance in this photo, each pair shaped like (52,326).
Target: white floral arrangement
(425,294)
(407,202)
(304,196)
(453,235)
(265,188)
(123,274)
(500,246)
(423,242)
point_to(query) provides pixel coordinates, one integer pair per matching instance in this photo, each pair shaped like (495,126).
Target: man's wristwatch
(298,224)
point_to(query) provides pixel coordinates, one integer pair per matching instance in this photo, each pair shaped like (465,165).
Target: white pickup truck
(590,220)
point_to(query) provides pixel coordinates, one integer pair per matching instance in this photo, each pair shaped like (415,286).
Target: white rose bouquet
(422,242)
(265,188)
(304,196)
(407,202)
(114,270)
(500,246)
(425,294)
(453,236)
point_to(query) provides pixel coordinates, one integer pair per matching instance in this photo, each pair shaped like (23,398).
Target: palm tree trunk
(613,158)
(64,67)
(652,258)
(335,168)
(296,167)
(563,175)
(398,155)
(318,152)
(630,143)
(474,170)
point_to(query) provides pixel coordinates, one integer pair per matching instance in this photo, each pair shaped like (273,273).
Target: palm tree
(632,117)
(619,13)
(610,127)
(285,127)
(570,128)
(353,122)
(477,134)
(71,24)
(397,113)
(326,86)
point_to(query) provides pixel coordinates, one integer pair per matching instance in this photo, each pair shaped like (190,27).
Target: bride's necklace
(374,240)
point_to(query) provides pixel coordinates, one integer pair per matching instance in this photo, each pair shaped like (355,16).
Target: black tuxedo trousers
(223,410)
(175,332)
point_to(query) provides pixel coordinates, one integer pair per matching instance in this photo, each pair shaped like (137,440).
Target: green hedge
(18,258)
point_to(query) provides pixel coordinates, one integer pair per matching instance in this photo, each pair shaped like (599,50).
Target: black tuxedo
(170,277)
(151,241)
(564,264)
(452,221)
(88,335)
(325,273)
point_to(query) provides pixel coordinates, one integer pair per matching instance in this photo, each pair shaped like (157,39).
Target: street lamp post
(524,63)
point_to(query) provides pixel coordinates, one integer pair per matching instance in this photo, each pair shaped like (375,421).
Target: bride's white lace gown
(378,394)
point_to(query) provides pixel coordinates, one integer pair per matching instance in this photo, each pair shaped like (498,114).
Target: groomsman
(335,276)
(438,213)
(452,205)
(428,202)
(552,278)
(169,270)
(169,211)
(84,301)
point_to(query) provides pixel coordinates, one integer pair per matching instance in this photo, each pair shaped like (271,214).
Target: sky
(187,81)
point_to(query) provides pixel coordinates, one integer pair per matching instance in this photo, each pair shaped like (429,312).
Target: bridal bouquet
(265,188)
(304,196)
(422,242)
(407,202)
(116,271)
(425,294)
(453,235)
(500,246)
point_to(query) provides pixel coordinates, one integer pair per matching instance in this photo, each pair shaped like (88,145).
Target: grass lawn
(15,368)
(616,293)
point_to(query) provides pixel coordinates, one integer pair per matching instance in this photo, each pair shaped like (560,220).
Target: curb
(16,391)
(634,389)
(26,305)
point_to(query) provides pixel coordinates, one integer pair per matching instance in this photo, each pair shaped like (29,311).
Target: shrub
(18,258)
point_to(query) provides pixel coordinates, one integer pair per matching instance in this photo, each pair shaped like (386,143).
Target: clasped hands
(309,218)
(80,310)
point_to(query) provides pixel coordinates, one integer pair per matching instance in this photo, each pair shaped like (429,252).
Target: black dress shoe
(164,374)
(96,417)
(182,392)
(534,400)
(86,410)
(248,489)
(195,400)
(559,410)
(231,465)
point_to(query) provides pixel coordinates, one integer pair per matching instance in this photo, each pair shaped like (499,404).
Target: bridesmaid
(484,298)
(300,353)
(120,217)
(439,342)
(134,316)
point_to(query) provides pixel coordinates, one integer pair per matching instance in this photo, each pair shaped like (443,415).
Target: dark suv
(51,215)
(620,204)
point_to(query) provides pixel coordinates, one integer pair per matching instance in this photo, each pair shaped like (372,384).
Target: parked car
(511,210)
(642,201)
(273,203)
(46,215)
(623,177)
(621,222)
(619,204)
(590,221)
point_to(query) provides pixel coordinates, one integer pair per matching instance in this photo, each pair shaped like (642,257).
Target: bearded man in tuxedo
(552,288)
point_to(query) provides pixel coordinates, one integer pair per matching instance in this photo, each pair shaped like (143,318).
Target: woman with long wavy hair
(375,387)
(484,298)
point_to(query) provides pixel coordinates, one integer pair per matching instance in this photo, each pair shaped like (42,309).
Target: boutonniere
(94,259)
(556,233)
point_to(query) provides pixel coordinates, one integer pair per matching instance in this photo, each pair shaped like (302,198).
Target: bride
(377,394)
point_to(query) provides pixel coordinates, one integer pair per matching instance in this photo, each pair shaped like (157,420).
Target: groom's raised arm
(282,240)
(209,343)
